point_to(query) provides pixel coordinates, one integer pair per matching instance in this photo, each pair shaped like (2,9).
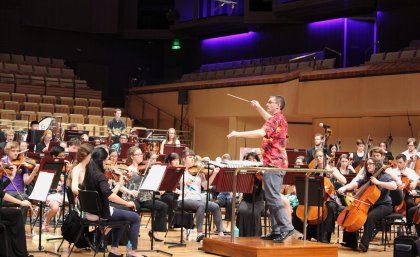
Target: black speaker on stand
(182,100)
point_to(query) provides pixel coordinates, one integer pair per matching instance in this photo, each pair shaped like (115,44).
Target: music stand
(165,178)
(68,134)
(124,149)
(52,143)
(34,136)
(173,148)
(293,153)
(315,195)
(46,180)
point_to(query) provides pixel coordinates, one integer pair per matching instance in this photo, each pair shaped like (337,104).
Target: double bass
(354,216)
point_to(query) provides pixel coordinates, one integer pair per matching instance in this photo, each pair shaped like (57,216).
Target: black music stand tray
(173,148)
(315,196)
(42,197)
(168,182)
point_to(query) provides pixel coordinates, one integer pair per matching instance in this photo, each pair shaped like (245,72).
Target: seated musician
(397,174)
(388,154)
(84,138)
(117,146)
(224,199)
(23,146)
(55,196)
(171,138)
(193,200)
(170,197)
(310,153)
(113,156)
(300,160)
(116,126)
(10,135)
(73,145)
(357,156)
(143,199)
(95,180)
(15,228)
(381,208)
(17,186)
(331,202)
(251,206)
(73,126)
(343,167)
(411,152)
(46,138)
(78,172)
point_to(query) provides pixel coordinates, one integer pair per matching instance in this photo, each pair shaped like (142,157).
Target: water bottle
(129,248)
(236,231)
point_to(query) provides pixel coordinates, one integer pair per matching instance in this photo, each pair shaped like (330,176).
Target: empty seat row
(68,101)
(29,69)
(41,80)
(32,60)
(274,60)
(394,56)
(60,117)
(259,70)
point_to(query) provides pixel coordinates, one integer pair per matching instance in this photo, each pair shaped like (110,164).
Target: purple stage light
(230,40)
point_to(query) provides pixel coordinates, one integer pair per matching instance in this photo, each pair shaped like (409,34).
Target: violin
(24,161)
(114,172)
(6,170)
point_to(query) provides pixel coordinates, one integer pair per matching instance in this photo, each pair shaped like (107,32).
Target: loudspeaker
(183,97)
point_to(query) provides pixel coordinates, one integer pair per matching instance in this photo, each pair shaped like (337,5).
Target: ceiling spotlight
(222,3)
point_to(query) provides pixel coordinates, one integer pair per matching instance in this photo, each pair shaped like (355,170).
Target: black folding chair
(90,202)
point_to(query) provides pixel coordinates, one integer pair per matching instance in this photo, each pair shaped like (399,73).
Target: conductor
(274,154)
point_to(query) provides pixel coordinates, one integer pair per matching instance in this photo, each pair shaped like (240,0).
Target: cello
(354,216)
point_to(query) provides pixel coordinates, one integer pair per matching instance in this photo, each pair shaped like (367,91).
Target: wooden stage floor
(191,248)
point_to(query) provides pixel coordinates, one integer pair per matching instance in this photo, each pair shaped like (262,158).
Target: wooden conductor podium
(254,246)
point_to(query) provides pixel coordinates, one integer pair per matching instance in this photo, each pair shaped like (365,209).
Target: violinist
(95,180)
(123,138)
(318,144)
(73,145)
(193,199)
(15,228)
(113,157)
(10,135)
(46,138)
(171,138)
(406,180)
(17,186)
(388,154)
(55,196)
(331,203)
(381,208)
(143,199)
(411,153)
(78,172)
(357,156)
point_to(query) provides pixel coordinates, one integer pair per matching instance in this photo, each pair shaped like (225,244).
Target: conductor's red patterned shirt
(274,142)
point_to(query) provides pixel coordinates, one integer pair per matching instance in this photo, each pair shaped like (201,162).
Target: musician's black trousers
(15,233)
(375,214)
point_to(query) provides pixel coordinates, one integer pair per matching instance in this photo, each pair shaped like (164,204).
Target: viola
(354,216)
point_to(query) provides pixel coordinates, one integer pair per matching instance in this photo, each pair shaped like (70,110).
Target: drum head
(45,123)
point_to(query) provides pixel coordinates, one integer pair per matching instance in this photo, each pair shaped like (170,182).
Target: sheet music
(42,186)
(153,180)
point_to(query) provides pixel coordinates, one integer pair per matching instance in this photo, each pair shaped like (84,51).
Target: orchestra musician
(411,152)
(143,199)
(403,171)
(95,180)
(123,138)
(331,203)
(381,208)
(46,138)
(113,156)
(170,197)
(73,145)
(73,126)
(116,126)
(78,172)
(193,199)
(15,228)
(318,144)
(171,138)
(388,154)
(300,160)
(357,156)
(273,132)
(16,188)
(55,196)
(224,199)
(10,135)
